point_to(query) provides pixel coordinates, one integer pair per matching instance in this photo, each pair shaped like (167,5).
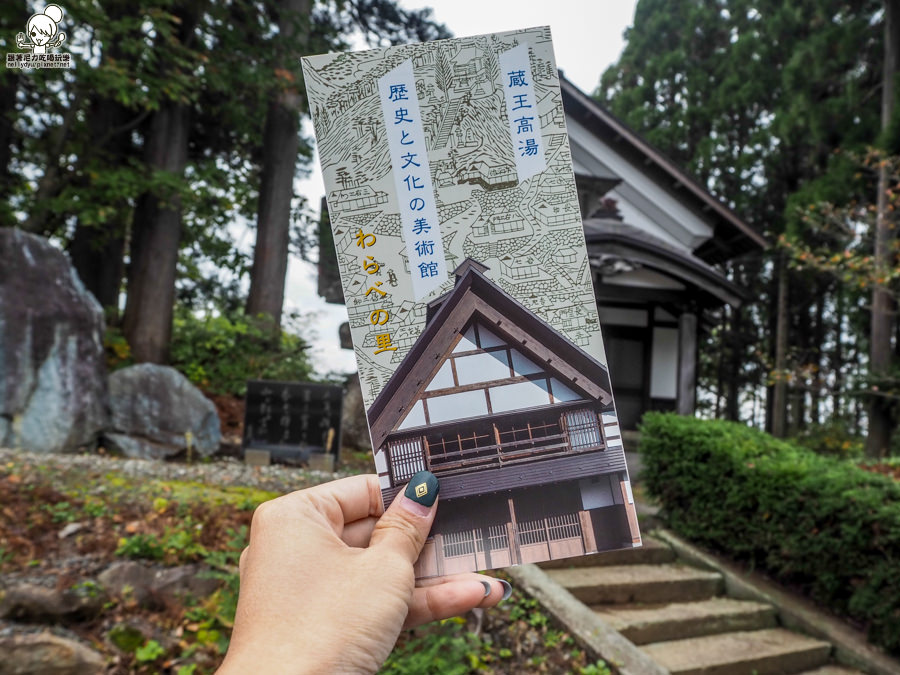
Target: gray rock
(28,602)
(52,365)
(47,654)
(152,586)
(155,409)
(354,430)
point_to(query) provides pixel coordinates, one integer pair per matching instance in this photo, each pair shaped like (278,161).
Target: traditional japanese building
(502,407)
(656,241)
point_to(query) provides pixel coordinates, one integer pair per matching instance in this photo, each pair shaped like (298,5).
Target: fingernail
(487,588)
(507,589)
(423,488)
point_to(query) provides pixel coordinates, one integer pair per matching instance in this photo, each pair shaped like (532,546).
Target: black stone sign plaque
(293,419)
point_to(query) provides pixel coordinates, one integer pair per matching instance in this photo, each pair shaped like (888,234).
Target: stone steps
(678,616)
(676,621)
(772,651)
(620,584)
(653,552)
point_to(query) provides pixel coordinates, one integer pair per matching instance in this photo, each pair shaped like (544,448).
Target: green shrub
(220,353)
(816,522)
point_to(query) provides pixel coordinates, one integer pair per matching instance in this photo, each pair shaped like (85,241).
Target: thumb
(405,525)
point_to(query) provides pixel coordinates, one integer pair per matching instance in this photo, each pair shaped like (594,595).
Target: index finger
(345,500)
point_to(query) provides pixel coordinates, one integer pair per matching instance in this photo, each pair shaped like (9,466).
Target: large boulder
(32,603)
(152,586)
(156,412)
(52,365)
(46,654)
(354,430)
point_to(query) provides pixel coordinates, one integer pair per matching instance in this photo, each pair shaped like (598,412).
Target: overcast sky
(587,37)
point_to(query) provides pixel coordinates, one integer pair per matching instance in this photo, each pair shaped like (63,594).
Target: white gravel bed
(218,471)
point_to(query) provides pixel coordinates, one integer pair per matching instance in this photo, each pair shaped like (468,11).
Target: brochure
(458,232)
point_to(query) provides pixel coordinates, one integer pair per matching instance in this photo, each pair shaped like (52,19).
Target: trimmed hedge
(815,522)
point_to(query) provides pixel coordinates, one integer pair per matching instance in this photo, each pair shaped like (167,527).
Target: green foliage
(127,638)
(754,99)
(176,544)
(146,546)
(116,347)
(814,522)
(80,135)
(598,668)
(448,649)
(219,353)
(62,512)
(529,610)
(149,652)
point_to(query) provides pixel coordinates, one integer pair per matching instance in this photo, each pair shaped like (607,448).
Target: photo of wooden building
(503,408)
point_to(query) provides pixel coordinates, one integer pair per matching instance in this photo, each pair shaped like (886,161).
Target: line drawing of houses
(502,407)
(358,198)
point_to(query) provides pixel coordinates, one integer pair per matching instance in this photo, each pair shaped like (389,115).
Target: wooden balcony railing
(500,454)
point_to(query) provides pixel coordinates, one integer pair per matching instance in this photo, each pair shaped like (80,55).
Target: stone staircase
(678,615)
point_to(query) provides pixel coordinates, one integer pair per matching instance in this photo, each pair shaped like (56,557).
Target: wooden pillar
(511,538)
(439,553)
(687,363)
(587,532)
(631,512)
(512,531)
(386,449)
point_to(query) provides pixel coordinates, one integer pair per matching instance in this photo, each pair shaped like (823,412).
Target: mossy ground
(170,522)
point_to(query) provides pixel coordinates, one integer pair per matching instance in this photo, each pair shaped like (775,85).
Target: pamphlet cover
(458,232)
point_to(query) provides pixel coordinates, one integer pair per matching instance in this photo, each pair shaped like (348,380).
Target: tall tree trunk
(779,394)
(155,239)
(280,145)
(735,357)
(800,304)
(97,251)
(837,359)
(818,339)
(9,84)
(720,361)
(881,421)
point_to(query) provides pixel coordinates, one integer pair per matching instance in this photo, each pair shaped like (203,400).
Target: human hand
(327,581)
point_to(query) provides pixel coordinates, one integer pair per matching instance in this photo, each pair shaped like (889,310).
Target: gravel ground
(219,471)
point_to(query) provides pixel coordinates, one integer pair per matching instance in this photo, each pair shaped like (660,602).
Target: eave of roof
(732,236)
(655,253)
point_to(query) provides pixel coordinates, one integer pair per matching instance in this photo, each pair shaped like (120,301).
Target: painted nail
(507,589)
(487,588)
(423,488)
